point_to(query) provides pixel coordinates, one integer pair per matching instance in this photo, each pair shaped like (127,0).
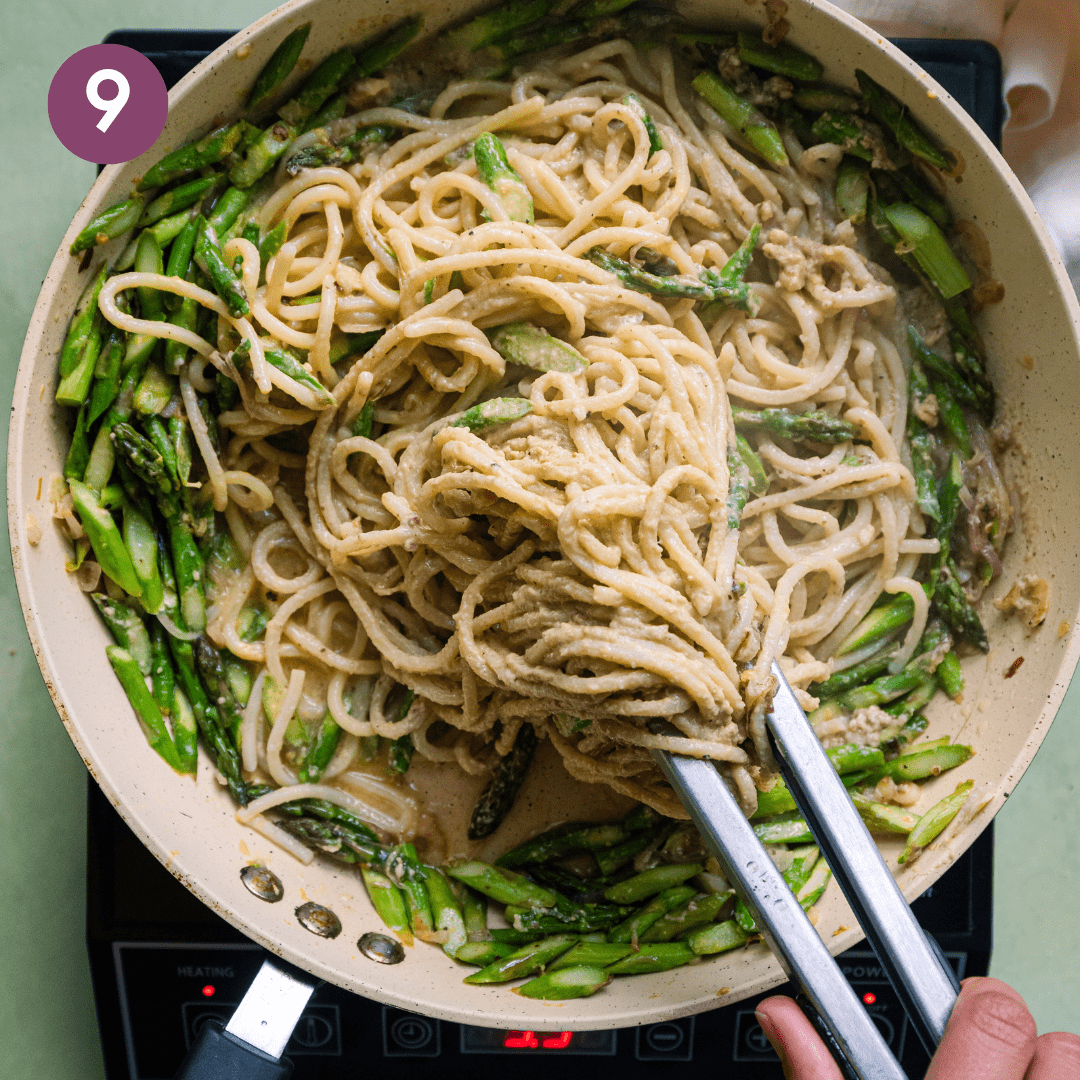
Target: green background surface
(47,1023)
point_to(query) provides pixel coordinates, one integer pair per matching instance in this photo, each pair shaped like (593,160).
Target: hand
(990,1036)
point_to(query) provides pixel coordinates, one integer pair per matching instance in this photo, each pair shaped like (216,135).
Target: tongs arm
(919,973)
(858,1045)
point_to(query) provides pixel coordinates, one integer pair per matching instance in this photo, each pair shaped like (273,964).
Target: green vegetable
(935,819)
(781,59)
(494,170)
(784,423)
(200,154)
(928,245)
(278,67)
(895,116)
(146,709)
(498,797)
(759,132)
(489,413)
(110,223)
(536,348)
(566,983)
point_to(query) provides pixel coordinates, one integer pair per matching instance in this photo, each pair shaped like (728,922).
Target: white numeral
(110,107)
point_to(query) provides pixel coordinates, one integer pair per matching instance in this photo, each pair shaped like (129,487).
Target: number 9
(110,107)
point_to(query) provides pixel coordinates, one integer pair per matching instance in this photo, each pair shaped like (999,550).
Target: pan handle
(252,1042)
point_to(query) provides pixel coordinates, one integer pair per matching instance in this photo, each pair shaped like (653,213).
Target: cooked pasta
(577,566)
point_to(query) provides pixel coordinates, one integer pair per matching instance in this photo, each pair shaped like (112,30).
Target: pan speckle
(263,883)
(319,920)
(381,948)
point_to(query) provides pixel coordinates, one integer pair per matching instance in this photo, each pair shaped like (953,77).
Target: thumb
(800,1049)
(990,1035)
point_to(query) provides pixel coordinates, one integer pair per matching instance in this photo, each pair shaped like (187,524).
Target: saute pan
(1032,338)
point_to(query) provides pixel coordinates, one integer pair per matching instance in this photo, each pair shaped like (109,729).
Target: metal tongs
(919,973)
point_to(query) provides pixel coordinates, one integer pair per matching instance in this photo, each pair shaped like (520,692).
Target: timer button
(672,1040)
(407,1034)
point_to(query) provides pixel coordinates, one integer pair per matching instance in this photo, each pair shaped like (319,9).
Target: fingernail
(772,1035)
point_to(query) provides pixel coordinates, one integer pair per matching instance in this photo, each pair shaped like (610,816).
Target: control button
(406,1034)
(885,1026)
(317,1033)
(750,1041)
(672,1040)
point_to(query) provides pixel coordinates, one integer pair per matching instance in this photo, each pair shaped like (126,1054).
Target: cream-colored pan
(189,826)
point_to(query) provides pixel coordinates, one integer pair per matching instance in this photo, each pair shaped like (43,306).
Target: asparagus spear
(176,199)
(819,99)
(201,154)
(495,24)
(783,423)
(498,797)
(404,869)
(524,961)
(501,884)
(86,310)
(495,411)
(376,56)
(224,752)
(611,859)
(388,902)
(883,817)
(320,751)
(75,385)
(593,953)
(759,132)
(534,347)
(341,152)
(638,108)
(956,609)
(639,922)
(935,819)
(449,920)
(482,953)
(650,882)
(105,538)
(716,938)
(878,623)
(149,715)
(674,287)
(106,384)
(972,395)
(563,840)
(110,223)
(923,763)
(567,916)
(322,82)
(929,247)
(566,983)
(921,443)
(163,677)
(495,171)
(147,463)
(852,188)
(654,957)
(141,543)
(128,629)
(701,908)
(282,358)
(781,59)
(278,67)
(210,261)
(894,115)
(211,668)
(847,760)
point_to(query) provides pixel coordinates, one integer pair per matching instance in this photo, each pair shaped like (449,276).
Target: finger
(990,1035)
(1057,1057)
(802,1053)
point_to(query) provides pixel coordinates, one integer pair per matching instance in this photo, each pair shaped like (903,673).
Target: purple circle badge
(108,103)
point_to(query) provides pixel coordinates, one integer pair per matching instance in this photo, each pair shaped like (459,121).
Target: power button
(407,1034)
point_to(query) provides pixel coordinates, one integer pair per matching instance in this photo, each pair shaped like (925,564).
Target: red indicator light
(869,997)
(521,1040)
(208,990)
(557,1042)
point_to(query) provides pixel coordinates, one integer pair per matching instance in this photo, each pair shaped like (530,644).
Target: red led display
(869,997)
(521,1040)
(527,1040)
(556,1042)
(208,990)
